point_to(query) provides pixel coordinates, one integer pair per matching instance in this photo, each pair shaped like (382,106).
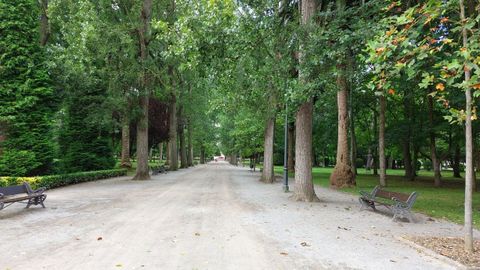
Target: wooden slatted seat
(400,203)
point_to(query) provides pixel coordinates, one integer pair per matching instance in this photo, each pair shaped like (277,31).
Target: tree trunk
(181,136)
(342,175)
(202,155)
(353,137)
(291,140)
(190,146)
(167,154)
(173,156)
(125,158)
(304,190)
(381,143)
(142,172)
(44,25)
(160,152)
(267,173)
(407,160)
(433,146)
(468,147)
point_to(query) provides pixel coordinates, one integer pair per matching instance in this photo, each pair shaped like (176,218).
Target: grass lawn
(445,202)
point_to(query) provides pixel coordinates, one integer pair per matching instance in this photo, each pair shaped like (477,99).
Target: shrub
(17,163)
(53,181)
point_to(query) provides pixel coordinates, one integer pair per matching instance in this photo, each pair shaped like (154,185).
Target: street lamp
(285,153)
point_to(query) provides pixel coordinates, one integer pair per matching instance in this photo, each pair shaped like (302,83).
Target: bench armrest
(366,195)
(40,190)
(400,204)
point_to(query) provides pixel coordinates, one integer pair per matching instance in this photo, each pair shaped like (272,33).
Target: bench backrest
(406,198)
(14,190)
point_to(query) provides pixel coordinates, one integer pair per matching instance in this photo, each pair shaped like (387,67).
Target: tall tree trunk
(44,25)
(433,145)
(173,161)
(381,142)
(142,172)
(125,158)
(407,160)
(190,145)
(183,149)
(304,190)
(468,147)
(267,173)
(342,175)
(167,154)
(160,152)
(202,155)
(291,140)
(353,137)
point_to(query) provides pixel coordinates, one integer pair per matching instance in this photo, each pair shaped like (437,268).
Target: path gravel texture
(213,216)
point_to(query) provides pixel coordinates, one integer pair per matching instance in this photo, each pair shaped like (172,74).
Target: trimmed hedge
(53,181)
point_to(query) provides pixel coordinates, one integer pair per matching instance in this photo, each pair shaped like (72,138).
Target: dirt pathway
(208,217)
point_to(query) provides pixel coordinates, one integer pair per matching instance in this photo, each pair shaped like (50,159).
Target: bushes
(53,181)
(17,163)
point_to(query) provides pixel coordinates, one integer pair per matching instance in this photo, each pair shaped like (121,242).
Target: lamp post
(285,153)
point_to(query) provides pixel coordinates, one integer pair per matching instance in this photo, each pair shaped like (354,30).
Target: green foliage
(18,163)
(27,99)
(54,181)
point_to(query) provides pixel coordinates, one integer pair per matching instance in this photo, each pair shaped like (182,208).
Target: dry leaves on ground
(452,248)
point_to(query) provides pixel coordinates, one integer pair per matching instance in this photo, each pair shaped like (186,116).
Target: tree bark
(407,160)
(433,146)
(142,172)
(181,137)
(125,157)
(190,146)
(342,175)
(267,173)
(173,156)
(167,154)
(468,147)
(304,190)
(291,140)
(44,25)
(160,152)
(353,137)
(202,155)
(381,143)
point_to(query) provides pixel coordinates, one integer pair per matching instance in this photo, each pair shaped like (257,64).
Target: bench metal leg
(1,205)
(366,204)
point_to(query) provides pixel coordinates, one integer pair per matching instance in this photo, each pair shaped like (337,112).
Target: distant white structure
(219,158)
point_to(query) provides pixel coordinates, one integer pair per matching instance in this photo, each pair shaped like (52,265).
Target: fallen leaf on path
(197,234)
(304,244)
(393,261)
(119,265)
(284,253)
(99,238)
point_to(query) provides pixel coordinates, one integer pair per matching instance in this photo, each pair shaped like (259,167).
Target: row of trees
(90,78)
(401,76)
(85,80)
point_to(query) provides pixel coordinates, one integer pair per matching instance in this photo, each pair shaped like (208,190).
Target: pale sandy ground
(209,217)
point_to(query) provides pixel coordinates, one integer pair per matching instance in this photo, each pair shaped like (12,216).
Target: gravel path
(213,216)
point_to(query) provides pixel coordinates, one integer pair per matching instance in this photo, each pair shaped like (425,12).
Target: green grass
(444,202)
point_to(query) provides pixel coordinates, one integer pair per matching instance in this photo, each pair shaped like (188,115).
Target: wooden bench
(20,193)
(400,203)
(159,169)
